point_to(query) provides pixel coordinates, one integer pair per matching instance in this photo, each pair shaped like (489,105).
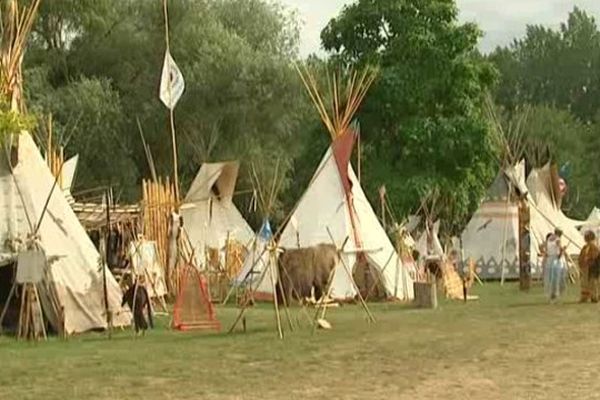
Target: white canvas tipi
(491,238)
(335,203)
(74,276)
(209,214)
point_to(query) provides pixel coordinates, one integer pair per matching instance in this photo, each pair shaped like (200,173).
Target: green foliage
(422,120)
(12,122)
(553,67)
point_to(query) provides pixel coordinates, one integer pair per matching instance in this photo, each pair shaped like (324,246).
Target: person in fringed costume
(588,269)
(555,268)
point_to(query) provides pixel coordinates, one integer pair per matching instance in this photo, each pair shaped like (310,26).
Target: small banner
(172,84)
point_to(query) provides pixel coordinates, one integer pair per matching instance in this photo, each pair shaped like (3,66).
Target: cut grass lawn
(507,345)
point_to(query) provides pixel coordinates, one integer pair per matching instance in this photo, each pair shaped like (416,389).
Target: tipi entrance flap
(342,151)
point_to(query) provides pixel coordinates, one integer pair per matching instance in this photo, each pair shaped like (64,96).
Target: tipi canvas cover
(74,277)
(335,202)
(491,238)
(209,214)
(546,215)
(592,223)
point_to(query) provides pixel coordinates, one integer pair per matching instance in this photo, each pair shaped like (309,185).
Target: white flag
(172,84)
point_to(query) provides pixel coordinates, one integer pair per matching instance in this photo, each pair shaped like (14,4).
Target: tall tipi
(74,277)
(209,214)
(335,204)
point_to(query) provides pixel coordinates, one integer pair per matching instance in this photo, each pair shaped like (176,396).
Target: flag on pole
(172,84)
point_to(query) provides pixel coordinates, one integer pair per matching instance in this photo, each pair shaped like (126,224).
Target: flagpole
(171,116)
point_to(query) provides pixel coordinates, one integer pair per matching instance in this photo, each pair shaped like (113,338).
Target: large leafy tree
(423,127)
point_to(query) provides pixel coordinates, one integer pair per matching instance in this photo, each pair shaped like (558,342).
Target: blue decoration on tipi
(265,231)
(565,171)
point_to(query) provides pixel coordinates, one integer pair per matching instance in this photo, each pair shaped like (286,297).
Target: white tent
(491,238)
(593,218)
(546,215)
(433,248)
(335,202)
(74,278)
(145,262)
(209,214)
(255,264)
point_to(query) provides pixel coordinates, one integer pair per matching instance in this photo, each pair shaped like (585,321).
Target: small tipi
(209,215)
(334,206)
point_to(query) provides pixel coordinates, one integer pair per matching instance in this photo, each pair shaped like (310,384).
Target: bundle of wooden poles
(159,201)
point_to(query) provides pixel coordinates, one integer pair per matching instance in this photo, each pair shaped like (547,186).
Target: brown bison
(304,269)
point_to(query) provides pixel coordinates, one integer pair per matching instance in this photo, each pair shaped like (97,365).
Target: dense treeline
(96,67)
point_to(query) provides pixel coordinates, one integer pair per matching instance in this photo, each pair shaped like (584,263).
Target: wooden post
(105,266)
(272,263)
(426,294)
(524,246)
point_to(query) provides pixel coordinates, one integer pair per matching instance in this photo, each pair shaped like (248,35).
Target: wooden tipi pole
(171,115)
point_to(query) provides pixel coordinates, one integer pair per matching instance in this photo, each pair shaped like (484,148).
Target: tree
(553,67)
(422,122)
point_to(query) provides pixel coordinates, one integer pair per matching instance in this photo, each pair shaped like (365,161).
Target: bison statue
(306,269)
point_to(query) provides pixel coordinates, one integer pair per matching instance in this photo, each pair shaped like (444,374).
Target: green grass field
(507,345)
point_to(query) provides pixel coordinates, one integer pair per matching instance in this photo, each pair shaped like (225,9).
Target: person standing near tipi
(588,259)
(554,274)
